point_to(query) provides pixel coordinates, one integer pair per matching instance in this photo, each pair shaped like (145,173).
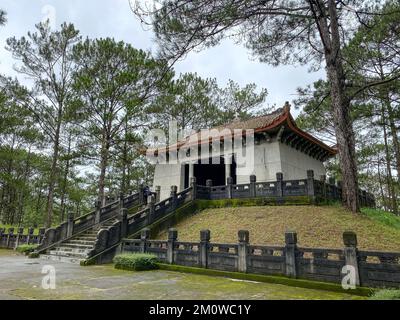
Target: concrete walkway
(21,278)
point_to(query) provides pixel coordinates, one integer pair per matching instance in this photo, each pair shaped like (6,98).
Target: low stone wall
(11,240)
(370,269)
(319,191)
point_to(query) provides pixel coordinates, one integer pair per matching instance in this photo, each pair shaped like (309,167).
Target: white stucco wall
(295,164)
(167,175)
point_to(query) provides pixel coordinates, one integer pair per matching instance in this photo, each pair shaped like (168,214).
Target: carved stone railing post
(253,179)
(141,194)
(10,234)
(97,216)
(123,217)
(243,248)
(158,193)
(279,184)
(350,253)
(323,183)
(30,235)
(193,185)
(209,187)
(20,231)
(172,237)
(41,234)
(204,245)
(291,253)
(121,200)
(174,190)
(151,206)
(310,185)
(144,236)
(70,224)
(229,187)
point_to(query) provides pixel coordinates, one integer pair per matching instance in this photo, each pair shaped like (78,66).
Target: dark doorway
(186,183)
(215,172)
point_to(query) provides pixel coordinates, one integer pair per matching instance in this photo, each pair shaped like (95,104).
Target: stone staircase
(76,249)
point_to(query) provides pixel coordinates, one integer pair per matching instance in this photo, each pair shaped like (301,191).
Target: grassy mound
(135,261)
(316,226)
(386,294)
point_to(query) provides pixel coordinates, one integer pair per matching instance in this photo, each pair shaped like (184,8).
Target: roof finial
(286,107)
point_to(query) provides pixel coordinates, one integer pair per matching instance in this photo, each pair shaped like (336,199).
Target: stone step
(70,251)
(79,255)
(85,238)
(61,258)
(77,241)
(76,245)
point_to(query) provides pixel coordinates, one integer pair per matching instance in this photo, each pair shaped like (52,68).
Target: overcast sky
(113,18)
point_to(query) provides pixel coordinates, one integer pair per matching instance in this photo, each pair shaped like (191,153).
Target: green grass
(136,261)
(386,294)
(316,226)
(384,217)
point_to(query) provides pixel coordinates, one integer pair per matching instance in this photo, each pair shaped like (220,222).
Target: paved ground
(21,278)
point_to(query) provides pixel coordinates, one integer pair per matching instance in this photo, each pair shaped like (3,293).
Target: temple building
(261,146)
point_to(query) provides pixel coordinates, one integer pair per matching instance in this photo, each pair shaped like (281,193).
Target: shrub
(26,248)
(135,261)
(33,255)
(386,294)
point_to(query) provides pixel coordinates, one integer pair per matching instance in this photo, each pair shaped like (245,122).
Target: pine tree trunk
(53,171)
(341,111)
(103,167)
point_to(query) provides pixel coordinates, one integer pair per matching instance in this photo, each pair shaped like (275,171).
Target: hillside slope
(316,226)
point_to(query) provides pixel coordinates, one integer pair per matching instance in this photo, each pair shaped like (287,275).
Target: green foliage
(135,261)
(26,248)
(386,294)
(384,217)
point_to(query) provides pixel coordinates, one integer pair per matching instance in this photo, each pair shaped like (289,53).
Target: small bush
(33,255)
(136,261)
(26,248)
(386,294)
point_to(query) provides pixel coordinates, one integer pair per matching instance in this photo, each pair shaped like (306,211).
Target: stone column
(158,193)
(253,186)
(193,185)
(229,187)
(191,170)
(70,224)
(228,160)
(350,252)
(310,185)
(279,184)
(243,248)
(290,253)
(204,245)
(172,237)
(144,236)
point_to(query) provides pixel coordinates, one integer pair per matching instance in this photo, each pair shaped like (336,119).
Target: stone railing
(11,240)
(370,268)
(74,226)
(127,225)
(316,190)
